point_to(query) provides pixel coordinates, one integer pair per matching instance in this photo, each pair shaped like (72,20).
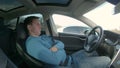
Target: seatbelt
(50,30)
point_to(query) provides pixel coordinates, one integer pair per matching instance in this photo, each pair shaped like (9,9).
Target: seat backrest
(21,37)
(20,45)
(5,36)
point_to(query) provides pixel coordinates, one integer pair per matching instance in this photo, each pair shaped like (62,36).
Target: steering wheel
(94,39)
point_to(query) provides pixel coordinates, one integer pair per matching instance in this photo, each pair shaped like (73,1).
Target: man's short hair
(28,21)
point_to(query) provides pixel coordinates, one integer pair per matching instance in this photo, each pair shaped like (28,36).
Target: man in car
(42,48)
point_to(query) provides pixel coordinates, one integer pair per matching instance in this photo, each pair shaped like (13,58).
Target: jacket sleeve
(59,44)
(37,50)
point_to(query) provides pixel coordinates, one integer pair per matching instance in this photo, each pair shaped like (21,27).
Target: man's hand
(54,48)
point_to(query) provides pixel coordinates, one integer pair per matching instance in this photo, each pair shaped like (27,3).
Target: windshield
(104,16)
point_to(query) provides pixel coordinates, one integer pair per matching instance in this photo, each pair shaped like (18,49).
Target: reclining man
(41,47)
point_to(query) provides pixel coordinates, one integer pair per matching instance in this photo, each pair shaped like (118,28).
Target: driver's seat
(20,45)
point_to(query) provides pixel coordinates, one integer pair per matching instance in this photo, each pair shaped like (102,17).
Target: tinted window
(12,23)
(52,1)
(6,5)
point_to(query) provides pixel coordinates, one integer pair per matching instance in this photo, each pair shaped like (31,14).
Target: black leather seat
(20,45)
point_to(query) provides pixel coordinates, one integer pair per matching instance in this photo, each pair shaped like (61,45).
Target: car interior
(13,52)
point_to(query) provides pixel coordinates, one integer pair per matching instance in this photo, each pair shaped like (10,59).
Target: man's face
(35,27)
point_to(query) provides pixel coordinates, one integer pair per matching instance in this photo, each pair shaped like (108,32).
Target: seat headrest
(21,31)
(21,35)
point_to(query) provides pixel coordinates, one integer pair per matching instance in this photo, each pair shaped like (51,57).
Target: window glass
(37,15)
(22,18)
(6,5)
(52,1)
(66,24)
(12,23)
(104,16)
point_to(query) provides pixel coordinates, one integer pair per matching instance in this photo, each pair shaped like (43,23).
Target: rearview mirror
(117,8)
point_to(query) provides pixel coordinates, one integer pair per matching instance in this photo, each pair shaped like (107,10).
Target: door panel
(71,31)
(72,43)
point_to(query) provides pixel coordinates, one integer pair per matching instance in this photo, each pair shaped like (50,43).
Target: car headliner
(75,8)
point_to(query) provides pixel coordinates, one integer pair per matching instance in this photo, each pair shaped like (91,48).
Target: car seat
(21,36)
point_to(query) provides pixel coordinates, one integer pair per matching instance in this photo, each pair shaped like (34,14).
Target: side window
(12,24)
(37,15)
(69,25)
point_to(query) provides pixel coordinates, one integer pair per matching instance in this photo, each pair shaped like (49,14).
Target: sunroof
(62,2)
(6,5)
